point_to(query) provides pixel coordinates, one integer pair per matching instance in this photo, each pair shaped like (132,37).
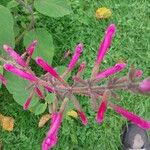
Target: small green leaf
(12,4)
(39,108)
(52,8)
(45,47)
(6,28)
(50,98)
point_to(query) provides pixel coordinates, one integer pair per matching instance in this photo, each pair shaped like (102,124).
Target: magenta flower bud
(111,71)
(132,117)
(105,43)
(55,124)
(31,48)
(39,93)
(49,142)
(4,81)
(101,112)
(138,73)
(83,117)
(28,101)
(78,51)
(51,139)
(20,73)
(144,86)
(42,63)
(82,66)
(14,55)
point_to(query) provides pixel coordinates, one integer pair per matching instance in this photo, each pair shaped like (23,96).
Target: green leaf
(6,28)
(52,8)
(12,4)
(39,108)
(50,98)
(45,47)
(16,86)
(1,71)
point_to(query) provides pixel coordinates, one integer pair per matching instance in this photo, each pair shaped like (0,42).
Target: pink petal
(31,48)
(19,72)
(4,81)
(82,66)
(144,86)
(39,92)
(111,71)
(101,112)
(41,62)
(78,51)
(106,43)
(14,55)
(83,117)
(132,117)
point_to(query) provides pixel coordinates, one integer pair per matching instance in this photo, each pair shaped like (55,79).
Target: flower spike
(15,56)
(51,139)
(83,117)
(78,51)
(42,63)
(102,108)
(31,48)
(110,32)
(111,71)
(18,72)
(132,117)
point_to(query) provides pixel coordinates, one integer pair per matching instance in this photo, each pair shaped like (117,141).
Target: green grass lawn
(130,43)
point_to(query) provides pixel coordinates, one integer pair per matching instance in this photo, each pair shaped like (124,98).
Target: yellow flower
(72,113)
(103,13)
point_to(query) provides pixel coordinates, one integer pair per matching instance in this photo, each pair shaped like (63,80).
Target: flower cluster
(55,83)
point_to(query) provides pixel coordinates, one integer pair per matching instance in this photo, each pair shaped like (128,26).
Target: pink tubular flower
(31,48)
(144,86)
(28,101)
(51,139)
(14,55)
(39,92)
(106,43)
(82,66)
(42,63)
(111,71)
(4,81)
(83,117)
(138,73)
(73,61)
(132,117)
(101,112)
(19,72)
